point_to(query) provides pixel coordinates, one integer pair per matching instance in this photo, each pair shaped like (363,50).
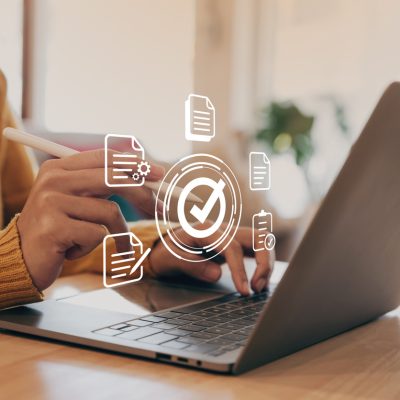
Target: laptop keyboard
(213,327)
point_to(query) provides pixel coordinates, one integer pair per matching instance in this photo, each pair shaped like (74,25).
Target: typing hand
(163,263)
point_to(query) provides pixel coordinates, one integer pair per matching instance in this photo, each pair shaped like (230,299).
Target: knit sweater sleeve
(16,286)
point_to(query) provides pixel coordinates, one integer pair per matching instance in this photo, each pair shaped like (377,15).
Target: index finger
(264,260)
(233,254)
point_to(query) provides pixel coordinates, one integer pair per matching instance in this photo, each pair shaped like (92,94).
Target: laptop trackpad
(151,295)
(147,297)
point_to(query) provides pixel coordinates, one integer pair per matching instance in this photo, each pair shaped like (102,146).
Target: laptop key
(190,340)
(169,314)
(231,326)
(174,344)
(220,341)
(153,318)
(179,332)
(214,310)
(233,346)
(203,335)
(138,322)
(234,337)
(139,333)
(119,326)
(107,332)
(203,314)
(193,328)
(239,313)
(217,330)
(244,332)
(129,328)
(190,317)
(219,320)
(218,352)
(202,348)
(177,321)
(158,338)
(206,323)
(163,325)
(242,323)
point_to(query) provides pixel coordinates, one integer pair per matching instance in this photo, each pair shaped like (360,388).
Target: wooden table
(361,364)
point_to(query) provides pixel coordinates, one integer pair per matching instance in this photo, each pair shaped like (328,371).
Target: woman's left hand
(163,263)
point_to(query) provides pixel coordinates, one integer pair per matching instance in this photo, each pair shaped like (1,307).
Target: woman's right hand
(67,213)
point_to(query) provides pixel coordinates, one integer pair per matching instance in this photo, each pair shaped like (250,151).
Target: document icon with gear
(199,118)
(124,169)
(122,268)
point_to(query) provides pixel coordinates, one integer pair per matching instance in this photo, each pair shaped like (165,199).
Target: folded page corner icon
(199,118)
(259,171)
(122,268)
(122,168)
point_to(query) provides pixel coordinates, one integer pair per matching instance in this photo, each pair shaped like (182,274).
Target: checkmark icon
(202,213)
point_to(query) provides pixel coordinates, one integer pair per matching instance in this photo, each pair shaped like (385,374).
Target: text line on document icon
(259,171)
(127,168)
(124,267)
(199,118)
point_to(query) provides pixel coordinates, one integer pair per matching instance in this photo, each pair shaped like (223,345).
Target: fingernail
(245,287)
(160,207)
(261,284)
(212,272)
(157,171)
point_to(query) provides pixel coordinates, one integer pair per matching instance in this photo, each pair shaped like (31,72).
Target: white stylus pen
(57,150)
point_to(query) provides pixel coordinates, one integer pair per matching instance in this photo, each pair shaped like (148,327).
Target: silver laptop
(346,272)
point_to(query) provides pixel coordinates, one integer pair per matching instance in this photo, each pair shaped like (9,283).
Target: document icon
(124,169)
(199,118)
(262,226)
(259,171)
(122,268)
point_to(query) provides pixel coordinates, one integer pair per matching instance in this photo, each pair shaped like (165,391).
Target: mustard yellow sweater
(16,180)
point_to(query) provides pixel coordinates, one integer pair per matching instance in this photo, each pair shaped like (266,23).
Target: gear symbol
(143,168)
(136,176)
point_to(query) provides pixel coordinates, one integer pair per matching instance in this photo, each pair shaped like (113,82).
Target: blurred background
(294,78)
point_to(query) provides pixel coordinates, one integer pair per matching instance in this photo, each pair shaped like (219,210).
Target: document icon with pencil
(199,118)
(124,169)
(122,268)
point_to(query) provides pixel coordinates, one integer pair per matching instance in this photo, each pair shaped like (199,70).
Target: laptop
(345,272)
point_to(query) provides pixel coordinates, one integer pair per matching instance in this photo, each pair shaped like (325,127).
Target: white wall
(119,66)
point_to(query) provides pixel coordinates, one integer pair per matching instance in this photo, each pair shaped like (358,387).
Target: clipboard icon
(124,169)
(122,268)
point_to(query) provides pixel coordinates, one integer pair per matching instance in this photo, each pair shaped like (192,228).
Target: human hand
(67,213)
(164,263)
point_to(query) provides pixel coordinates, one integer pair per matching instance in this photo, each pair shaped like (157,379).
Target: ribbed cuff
(16,286)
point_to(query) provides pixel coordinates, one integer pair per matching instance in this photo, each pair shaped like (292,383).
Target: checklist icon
(199,118)
(263,238)
(126,267)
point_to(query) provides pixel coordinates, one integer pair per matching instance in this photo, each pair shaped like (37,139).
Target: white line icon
(127,265)
(222,208)
(263,239)
(199,118)
(259,171)
(127,169)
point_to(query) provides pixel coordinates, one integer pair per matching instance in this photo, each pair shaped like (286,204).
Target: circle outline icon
(166,228)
